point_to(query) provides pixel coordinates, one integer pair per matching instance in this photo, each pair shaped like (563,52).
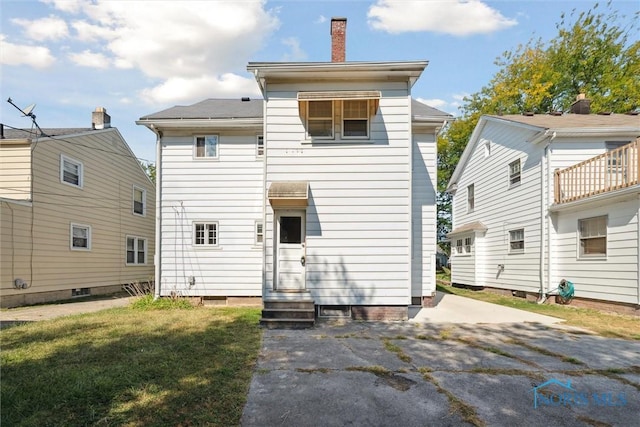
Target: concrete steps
(288,314)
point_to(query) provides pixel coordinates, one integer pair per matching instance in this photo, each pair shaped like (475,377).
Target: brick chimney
(338,39)
(100,119)
(582,105)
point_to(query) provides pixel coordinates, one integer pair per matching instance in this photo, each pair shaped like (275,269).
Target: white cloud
(70,6)
(296,54)
(321,19)
(15,54)
(455,17)
(50,28)
(435,103)
(180,89)
(90,59)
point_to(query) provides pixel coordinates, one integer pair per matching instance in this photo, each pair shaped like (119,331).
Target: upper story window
(593,236)
(516,241)
(320,119)
(139,200)
(71,171)
(205,234)
(515,172)
(355,118)
(471,198)
(487,148)
(80,237)
(206,147)
(260,146)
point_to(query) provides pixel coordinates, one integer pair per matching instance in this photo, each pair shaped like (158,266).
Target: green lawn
(605,324)
(135,366)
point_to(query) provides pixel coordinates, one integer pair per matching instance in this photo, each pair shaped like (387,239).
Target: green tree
(591,54)
(150,170)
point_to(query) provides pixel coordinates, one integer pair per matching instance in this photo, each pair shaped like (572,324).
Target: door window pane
(290,229)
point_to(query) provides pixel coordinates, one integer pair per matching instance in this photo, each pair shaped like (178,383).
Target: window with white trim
(487,148)
(471,198)
(593,236)
(139,201)
(80,237)
(459,250)
(320,119)
(468,244)
(205,234)
(515,172)
(259,233)
(260,146)
(136,250)
(516,241)
(355,118)
(206,147)
(71,171)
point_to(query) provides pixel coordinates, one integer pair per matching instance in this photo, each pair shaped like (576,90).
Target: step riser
(287,314)
(289,304)
(292,324)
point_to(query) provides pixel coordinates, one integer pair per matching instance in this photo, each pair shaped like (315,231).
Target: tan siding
(15,171)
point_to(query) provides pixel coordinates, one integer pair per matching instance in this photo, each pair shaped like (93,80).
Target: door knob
(302,260)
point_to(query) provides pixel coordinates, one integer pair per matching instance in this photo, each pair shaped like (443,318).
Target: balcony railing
(613,170)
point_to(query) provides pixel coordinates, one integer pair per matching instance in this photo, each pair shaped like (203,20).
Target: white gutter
(157,257)
(190,123)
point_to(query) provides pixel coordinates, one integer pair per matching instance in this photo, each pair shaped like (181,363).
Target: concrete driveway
(442,374)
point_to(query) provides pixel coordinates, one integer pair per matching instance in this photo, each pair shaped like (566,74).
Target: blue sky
(139,57)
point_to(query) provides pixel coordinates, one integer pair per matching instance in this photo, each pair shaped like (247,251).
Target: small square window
(260,146)
(80,237)
(516,241)
(471,201)
(139,200)
(207,146)
(514,172)
(136,251)
(205,234)
(593,236)
(259,233)
(71,171)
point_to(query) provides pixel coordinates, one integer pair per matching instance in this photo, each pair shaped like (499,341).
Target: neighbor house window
(80,237)
(516,241)
(139,200)
(259,232)
(514,172)
(259,146)
(207,146)
(593,236)
(471,201)
(71,171)
(459,247)
(355,119)
(205,234)
(615,160)
(468,244)
(136,250)
(320,119)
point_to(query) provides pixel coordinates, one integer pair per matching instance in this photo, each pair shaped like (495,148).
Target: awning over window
(340,95)
(471,227)
(289,194)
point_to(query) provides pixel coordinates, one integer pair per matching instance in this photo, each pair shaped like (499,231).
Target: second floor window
(320,119)
(355,119)
(71,171)
(471,200)
(207,146)
(514,172)
(260,146)
(139,200)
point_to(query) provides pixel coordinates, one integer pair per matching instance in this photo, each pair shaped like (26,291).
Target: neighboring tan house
(77,213)
(541,198)
(322,193)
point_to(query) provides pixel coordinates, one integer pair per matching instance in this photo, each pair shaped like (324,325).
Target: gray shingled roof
(33,133)
(212,109)
(238,109)
(567,121)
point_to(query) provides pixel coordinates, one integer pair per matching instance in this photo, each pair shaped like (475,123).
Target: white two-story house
(321,192)
(546,197)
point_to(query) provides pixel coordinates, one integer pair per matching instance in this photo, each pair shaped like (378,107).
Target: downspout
(545,234)
(410,204)
(549,202)
(638,250)
(157,256)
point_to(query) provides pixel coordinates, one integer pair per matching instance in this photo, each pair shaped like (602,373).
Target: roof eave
(200,123)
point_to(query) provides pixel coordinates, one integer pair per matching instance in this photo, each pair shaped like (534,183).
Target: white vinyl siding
(359,216)
(80,239)
(231,193)
(71,171)
(136,251)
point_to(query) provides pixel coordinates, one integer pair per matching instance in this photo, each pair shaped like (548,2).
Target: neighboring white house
(77,213)
(323,191)
(541,198)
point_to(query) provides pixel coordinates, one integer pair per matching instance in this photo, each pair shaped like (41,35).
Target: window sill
(136,265)
(516,253)
(139,215)
(592,258)
(81,249)
(206,159)
(206,247)
(516,185)
(337,142)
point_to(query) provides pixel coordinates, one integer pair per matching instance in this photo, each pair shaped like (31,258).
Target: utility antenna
(28,112)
